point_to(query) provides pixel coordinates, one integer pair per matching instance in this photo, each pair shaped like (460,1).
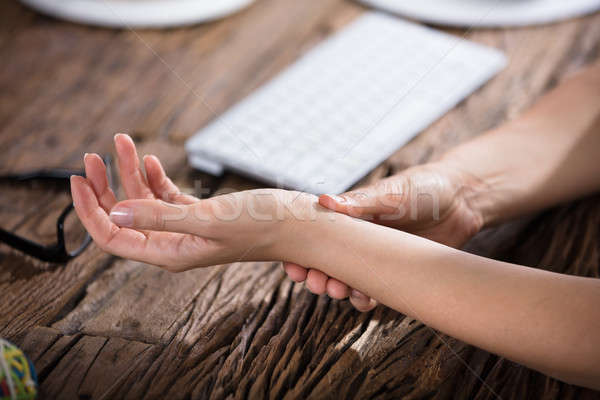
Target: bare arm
(547,321)
(545,157)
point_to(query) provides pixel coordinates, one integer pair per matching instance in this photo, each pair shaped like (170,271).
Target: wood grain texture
(105,328)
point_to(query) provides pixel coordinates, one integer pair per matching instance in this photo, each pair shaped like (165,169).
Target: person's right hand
(431,200)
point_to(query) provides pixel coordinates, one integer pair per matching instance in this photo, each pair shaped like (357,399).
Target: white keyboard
(345,106)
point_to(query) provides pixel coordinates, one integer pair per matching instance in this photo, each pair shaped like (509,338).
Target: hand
(160,225)
(431,201)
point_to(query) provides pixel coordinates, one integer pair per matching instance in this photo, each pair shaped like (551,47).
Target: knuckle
(156,218)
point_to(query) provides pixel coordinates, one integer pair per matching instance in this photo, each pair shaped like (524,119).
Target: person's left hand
(94,199)
(178,231)
(160,225)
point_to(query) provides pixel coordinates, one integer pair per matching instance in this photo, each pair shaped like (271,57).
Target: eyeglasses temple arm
(46,253)
(43,174)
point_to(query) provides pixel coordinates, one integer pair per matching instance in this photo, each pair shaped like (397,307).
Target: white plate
(137,13)
(487,13)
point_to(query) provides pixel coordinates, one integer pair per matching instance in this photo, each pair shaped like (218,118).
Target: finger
(362,302)
(384,198)
(132,177)
(316,281)
(95,172)
(161,185)
(154,248)
(96,221)
(89,211)
(158,215)
(295,272)
(337,289)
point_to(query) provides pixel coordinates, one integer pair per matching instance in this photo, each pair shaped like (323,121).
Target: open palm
(160,225)
(94,199)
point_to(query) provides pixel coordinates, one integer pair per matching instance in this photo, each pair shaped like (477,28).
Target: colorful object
(18,380)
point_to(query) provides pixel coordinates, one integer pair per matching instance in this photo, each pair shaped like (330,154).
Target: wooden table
(102,327)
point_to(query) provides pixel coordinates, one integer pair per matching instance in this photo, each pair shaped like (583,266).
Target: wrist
(295,215)
(303,236)
(474,190)
(499,169)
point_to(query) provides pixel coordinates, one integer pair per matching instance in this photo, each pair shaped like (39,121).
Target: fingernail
(347,200)
(122,216)
(338,199)
(148,156)
(355,294)
(121,134)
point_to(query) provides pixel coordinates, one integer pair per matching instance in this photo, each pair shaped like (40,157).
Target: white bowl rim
(138,13)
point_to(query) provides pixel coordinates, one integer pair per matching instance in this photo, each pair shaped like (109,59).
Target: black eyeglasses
(58,252)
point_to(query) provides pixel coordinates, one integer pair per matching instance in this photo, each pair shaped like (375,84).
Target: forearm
(544,320)
(547,156)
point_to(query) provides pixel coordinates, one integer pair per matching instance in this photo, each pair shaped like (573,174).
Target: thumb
(157,215)
(386,197)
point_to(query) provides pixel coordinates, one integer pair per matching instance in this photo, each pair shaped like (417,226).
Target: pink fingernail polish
(122,216)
